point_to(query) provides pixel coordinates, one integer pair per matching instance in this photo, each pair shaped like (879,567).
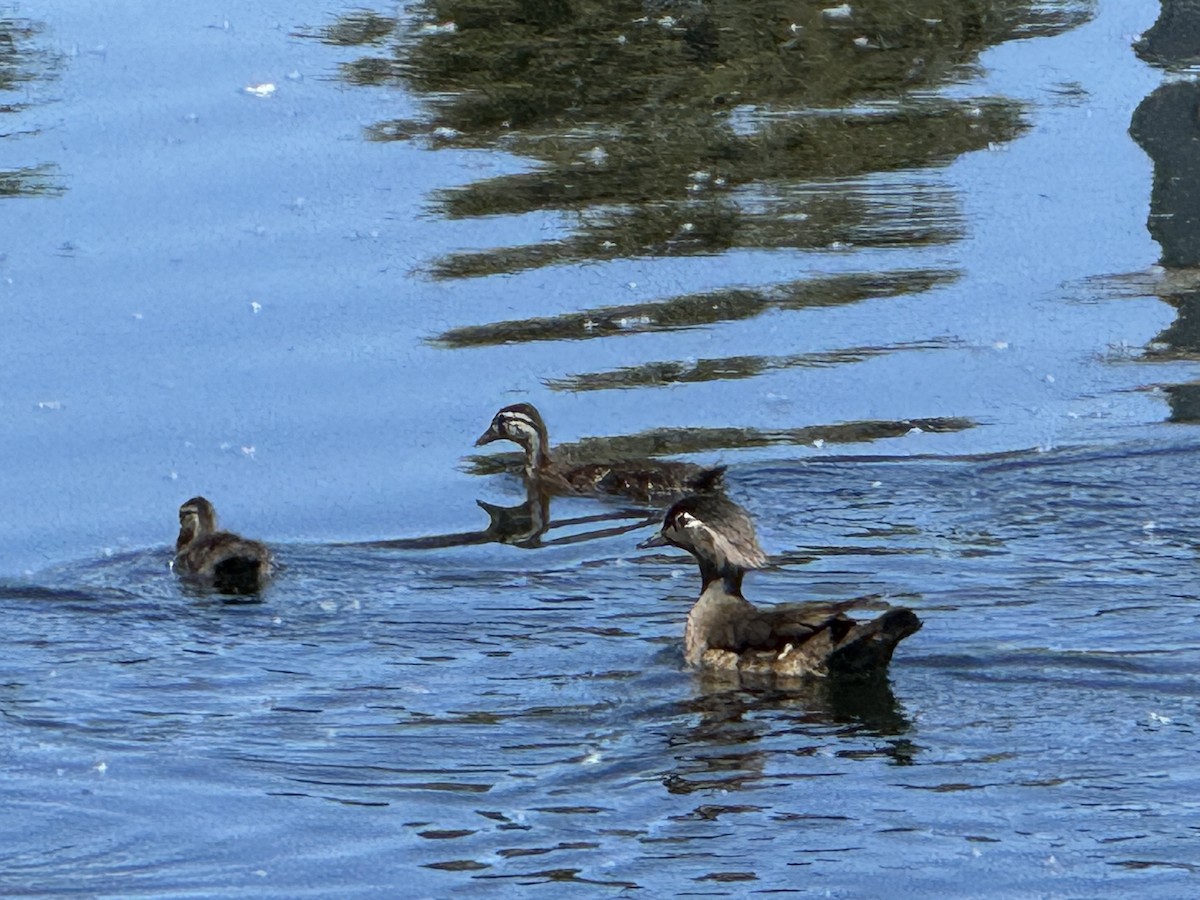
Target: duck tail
(238,575)
(867,647)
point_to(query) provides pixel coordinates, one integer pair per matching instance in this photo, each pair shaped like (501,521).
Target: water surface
(919,276)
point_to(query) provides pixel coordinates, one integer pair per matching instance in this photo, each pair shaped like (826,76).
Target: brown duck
(726,632)
(640,479)
(225,562)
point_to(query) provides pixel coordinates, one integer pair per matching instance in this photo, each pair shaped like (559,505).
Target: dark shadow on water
(64,598)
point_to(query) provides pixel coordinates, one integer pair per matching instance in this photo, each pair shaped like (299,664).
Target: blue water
(207,291)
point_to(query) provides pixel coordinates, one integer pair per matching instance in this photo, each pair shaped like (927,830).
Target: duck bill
(487,437)
(656,541)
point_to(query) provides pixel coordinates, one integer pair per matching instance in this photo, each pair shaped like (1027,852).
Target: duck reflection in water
(526,525)
(638,479)
(735,738)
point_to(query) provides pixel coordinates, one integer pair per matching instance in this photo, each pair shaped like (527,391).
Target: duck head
(196,517)
(716,531)
(522,424)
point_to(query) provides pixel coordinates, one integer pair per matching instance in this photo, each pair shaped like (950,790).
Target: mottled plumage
(727,632)
(640,479)
(220,560)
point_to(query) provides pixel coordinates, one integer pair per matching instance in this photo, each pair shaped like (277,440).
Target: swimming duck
(640,479)
(726,632)
(215,559)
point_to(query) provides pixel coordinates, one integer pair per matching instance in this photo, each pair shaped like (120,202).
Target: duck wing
(824,637)
(774,627)
(644,479)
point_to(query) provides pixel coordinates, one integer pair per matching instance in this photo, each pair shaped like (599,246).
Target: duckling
(640,479)
(726,632)
(225,562)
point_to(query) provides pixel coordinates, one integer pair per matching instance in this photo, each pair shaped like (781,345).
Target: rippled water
(448,720)
(893,265)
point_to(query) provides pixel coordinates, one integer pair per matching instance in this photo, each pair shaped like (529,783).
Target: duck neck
(728,578)
(720,602)
(537,454)
(200,522)
(187,534)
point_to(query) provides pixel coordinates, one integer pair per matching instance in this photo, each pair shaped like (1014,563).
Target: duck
(639,479)
(727,633)
(220,560)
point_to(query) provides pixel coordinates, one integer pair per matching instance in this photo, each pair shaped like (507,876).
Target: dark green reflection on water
(1165,127)
(674,441)
(22,61)
(692,310)
(679,130)
(658,374)
(1172,42)
(709,188)
(1184,400)
(812,217)
(354,29)
(1180,339)
(29,181)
